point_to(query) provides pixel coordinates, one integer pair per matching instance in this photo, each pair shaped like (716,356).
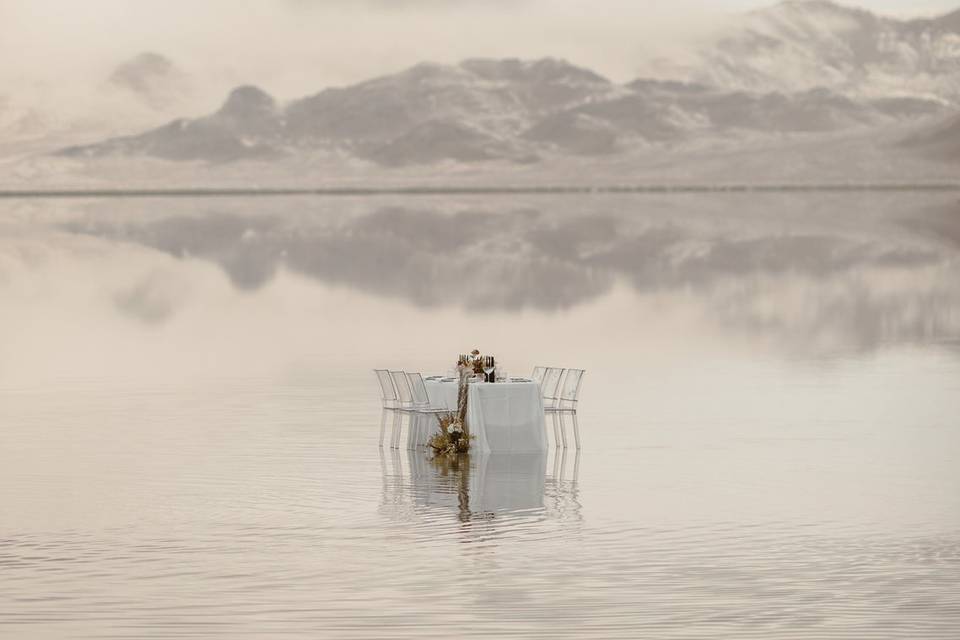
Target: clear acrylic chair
(566,402)
(404,406)
(537,375)
(388,398)
(421,403)
(549,392)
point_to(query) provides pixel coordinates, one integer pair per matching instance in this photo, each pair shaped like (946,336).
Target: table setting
(476,406)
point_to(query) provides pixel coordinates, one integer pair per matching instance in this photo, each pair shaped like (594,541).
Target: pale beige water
(771,418)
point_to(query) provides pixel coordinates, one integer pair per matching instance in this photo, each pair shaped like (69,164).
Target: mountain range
(800,68)
(803,44)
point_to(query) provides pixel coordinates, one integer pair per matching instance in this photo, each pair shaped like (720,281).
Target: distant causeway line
(201,192)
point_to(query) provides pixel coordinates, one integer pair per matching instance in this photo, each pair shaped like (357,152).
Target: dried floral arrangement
(452,438)
(471,362)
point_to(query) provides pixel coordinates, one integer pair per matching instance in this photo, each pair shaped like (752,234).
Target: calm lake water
(770,415)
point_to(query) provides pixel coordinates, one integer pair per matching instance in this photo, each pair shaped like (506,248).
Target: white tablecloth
(504,417)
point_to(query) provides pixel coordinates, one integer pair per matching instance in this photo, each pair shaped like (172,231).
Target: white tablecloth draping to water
(504,417)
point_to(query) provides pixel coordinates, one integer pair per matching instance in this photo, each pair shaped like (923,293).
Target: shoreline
(208,192)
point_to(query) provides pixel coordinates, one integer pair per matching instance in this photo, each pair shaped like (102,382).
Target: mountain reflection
(892,281)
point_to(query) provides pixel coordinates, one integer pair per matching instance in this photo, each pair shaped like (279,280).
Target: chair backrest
(388,393)
(418,389)
(537,375)
(551,385)
(404,394)
(570,389)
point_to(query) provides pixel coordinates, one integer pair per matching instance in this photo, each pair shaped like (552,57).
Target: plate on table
(520,380)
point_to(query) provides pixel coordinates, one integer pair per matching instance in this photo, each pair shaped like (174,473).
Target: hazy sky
(293,47)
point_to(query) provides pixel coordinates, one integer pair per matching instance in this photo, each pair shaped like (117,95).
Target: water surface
(188,422)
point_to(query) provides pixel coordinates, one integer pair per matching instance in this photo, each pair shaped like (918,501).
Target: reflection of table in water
(483,487)
(480,483)
(504,417)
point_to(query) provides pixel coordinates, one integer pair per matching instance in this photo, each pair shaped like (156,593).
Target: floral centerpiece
(470,363)
(452,438)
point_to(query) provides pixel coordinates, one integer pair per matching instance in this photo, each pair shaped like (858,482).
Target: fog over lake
(189,421)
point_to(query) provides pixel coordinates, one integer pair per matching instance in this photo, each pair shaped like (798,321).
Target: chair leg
(397,427)
(397,465)
(576,428)
(383,467)
(558,419)
(429,424)
(413,437)
(383,424)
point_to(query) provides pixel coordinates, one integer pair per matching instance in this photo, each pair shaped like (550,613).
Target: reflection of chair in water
(565,402)
(395,500)
(562,497)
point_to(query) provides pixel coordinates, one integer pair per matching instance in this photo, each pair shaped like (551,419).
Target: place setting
(476,406)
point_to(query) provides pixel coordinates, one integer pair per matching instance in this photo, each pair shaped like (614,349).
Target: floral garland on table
(454,435)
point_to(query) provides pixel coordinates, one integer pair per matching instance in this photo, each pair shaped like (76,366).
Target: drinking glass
(488,368)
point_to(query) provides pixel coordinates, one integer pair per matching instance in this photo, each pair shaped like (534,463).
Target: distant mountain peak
(827,5)
(818,6)
(541,70)
(818,16)
(248,100)
(799,44)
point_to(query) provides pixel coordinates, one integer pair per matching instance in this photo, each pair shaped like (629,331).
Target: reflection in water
(562,492)
(185,454)
(850,273)
(481,487)
(455,470)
